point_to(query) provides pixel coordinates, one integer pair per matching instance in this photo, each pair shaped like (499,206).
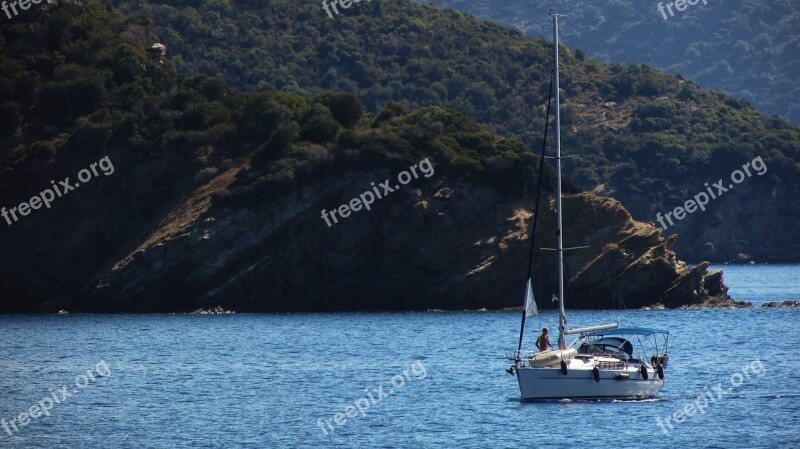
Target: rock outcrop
(784,304)
(434,244)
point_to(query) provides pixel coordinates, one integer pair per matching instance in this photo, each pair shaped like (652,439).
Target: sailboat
(603,361)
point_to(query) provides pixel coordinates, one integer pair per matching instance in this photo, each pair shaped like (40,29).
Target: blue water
(761,283)
(263,381)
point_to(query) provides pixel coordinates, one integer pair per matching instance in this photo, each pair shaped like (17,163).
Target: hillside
(646,138)
(746,48)
(210,197)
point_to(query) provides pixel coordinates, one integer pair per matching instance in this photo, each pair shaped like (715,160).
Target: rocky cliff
(439,243)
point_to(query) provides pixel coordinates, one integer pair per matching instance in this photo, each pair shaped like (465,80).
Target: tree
(261,116)
(346,108)
(277,144)
(318,125)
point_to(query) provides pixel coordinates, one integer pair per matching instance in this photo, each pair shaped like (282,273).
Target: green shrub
(318,125)
(261,117)
(88,139)
(61,101)
(277,144)
(346,108)
(197,116)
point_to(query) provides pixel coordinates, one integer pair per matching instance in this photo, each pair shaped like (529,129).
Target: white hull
(550,383)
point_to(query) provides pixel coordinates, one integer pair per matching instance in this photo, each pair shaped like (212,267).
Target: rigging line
(536,208)
(572,295)
(608,280)
(596,230)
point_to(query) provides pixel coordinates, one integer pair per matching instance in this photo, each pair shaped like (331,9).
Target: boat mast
(559,244)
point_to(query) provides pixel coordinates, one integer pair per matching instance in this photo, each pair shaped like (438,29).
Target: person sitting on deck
(543,342)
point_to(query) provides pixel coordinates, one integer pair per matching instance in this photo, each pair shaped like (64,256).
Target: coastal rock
(783,304)
(215,311)
(437,244)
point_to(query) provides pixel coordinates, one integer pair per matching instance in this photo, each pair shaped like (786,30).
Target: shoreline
(786,304)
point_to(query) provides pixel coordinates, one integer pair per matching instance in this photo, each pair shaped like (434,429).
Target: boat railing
(523,359)
(611,365)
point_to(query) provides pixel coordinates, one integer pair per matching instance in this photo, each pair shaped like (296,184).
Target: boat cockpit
(610,346)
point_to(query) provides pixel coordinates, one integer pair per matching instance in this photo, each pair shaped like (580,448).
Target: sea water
(390,380)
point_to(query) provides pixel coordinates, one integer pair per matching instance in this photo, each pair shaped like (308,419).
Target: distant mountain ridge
(749,49)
